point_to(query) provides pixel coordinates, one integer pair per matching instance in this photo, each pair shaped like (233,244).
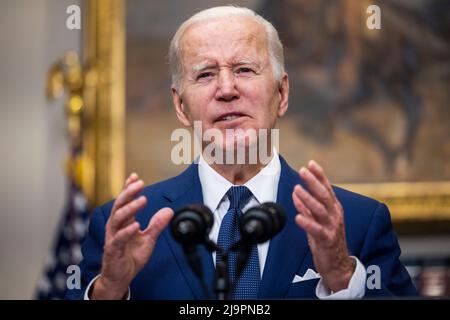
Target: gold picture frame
(416,207)
(104,113)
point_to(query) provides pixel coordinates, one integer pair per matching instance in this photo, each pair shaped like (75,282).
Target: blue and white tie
(247,285)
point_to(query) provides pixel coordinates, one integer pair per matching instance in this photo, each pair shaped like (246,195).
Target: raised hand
(321,215)
(127,248)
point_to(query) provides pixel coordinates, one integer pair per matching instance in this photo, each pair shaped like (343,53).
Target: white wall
(32,139)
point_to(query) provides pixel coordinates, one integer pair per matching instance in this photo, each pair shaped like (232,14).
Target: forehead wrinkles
(206,41)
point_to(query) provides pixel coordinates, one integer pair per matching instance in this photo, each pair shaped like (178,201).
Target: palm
(139,249)
(122,264)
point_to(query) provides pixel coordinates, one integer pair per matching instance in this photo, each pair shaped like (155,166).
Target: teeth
(230,118)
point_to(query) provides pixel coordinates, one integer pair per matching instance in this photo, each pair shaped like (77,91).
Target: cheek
(196,101)
(265,99)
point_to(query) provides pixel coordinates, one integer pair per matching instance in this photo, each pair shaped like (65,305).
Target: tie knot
(238,196)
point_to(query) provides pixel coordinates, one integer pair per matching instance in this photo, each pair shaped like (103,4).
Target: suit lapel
(187,190)
(288,249)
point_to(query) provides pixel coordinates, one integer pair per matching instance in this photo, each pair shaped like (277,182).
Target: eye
(244,70)
(204,75)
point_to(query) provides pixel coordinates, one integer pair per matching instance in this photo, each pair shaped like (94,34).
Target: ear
(180,108)
(283,91)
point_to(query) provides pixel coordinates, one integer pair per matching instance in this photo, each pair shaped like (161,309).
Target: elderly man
(228,73)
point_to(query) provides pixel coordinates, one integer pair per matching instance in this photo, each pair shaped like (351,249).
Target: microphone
(190,227)
(257,225)
(192,224)
(262,222)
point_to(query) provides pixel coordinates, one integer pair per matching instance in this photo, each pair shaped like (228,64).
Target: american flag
(66,250)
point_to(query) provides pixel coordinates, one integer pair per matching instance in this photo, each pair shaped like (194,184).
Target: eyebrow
(204,66)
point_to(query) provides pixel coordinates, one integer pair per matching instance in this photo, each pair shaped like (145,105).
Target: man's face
(227,79)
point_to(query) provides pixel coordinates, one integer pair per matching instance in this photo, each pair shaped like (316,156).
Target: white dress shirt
(264,187)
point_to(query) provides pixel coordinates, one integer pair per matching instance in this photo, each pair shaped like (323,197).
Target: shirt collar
(264,185)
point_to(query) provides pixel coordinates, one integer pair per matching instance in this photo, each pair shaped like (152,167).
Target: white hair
(275,47)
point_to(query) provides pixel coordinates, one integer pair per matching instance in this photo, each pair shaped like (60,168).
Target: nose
(226,86)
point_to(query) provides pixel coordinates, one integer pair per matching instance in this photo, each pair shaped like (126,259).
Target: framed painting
(370,105)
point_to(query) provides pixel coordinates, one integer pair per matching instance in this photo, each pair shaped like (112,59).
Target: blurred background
(371,105)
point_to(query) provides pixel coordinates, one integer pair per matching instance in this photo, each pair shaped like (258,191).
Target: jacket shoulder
(355,201)
(160,192)
(360,214)
(359,209)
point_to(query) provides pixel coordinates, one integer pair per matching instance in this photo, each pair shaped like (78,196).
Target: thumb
(158,222)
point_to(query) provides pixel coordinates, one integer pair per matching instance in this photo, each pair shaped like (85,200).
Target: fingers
(124,235)
(317,188)
(125,215)
(125,206)
(128,194)
(311,206)
(132,178)
(310,226)
(317,170)
(298,203)
(319,206)
(158,222)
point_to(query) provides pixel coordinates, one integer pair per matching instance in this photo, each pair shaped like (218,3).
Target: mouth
(229,117)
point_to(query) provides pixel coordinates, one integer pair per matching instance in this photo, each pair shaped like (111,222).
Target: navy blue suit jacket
(167,275)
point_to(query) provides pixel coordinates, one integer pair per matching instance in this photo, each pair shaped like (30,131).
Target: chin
(233,144)
(239,147)
(242,138)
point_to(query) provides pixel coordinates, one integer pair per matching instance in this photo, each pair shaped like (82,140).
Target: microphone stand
(222,285)
(195,263)
(243,249)
(221,279)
